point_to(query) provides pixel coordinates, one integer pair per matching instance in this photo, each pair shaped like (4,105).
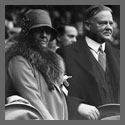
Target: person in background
(67,35)
(93,64)
(115,39)
(36,74)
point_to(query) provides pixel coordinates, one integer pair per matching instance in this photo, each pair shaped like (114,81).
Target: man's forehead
(104,14)
(70,29)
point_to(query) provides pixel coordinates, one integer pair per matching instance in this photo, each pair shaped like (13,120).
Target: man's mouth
(107,33)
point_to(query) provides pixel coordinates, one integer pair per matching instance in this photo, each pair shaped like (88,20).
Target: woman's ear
(87,25)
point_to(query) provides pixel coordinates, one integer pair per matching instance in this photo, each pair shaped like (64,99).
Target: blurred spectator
(6,32)
(79,26)
(115,39)
(11,25)
(68,17)
(67,35)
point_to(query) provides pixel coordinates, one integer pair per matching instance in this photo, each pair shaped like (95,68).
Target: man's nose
(109,26)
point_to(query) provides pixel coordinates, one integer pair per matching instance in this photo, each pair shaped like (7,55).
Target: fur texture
(45,61)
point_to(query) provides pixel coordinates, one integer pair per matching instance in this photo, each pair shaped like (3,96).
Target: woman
(36,73)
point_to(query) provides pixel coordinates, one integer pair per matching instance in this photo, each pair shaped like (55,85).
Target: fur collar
(45,61)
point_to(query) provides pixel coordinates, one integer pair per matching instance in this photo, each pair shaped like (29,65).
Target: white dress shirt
(94,46)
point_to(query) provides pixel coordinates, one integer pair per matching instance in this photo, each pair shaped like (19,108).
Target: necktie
(102,58)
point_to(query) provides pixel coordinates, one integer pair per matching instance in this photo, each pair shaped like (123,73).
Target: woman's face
(41,36)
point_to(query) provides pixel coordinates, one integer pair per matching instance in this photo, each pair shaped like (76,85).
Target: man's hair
(95,9)
(61,28)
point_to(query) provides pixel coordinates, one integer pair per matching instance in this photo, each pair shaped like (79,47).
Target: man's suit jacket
(84,83)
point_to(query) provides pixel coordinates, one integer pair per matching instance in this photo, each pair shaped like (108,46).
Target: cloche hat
(37,18)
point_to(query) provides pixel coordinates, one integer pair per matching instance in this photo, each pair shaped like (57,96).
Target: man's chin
(107,37)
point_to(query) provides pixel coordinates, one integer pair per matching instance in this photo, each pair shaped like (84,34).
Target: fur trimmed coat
(32,75)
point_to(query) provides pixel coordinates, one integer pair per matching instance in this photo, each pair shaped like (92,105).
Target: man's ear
(87,25)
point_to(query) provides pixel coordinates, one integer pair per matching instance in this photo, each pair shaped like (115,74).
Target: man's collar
(93,44)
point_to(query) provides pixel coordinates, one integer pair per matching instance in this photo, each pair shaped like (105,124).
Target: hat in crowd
(37,18)
(21,111)
(109,112)
(95,9)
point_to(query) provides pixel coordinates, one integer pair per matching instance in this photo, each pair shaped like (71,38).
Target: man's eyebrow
(71,35)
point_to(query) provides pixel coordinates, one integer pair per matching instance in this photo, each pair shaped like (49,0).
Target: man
(67,35)
(37,74)
(95,76)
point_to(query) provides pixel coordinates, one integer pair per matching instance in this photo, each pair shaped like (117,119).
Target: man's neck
(96,38)
(93,44)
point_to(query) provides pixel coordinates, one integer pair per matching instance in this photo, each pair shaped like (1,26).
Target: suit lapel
(84,56)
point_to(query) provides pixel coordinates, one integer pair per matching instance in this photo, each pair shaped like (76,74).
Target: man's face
(41,36)
(69,37)
(101,25)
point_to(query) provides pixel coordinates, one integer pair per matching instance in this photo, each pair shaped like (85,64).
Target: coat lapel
(84,56)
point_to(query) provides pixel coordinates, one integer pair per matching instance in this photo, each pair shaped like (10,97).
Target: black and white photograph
(62,62)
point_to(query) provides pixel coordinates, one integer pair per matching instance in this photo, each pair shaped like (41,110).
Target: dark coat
(84,83)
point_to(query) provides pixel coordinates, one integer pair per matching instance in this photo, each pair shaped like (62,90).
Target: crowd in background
(60,14)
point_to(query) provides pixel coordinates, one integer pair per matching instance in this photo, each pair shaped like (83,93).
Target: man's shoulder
(66,48)
(115,52)
(112,48)
(65,51)
(69,49)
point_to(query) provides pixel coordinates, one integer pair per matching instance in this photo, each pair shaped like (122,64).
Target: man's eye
(71,36)
(111,23)
(102,23)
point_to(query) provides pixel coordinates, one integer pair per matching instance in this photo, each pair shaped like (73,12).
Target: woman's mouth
(44,42)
